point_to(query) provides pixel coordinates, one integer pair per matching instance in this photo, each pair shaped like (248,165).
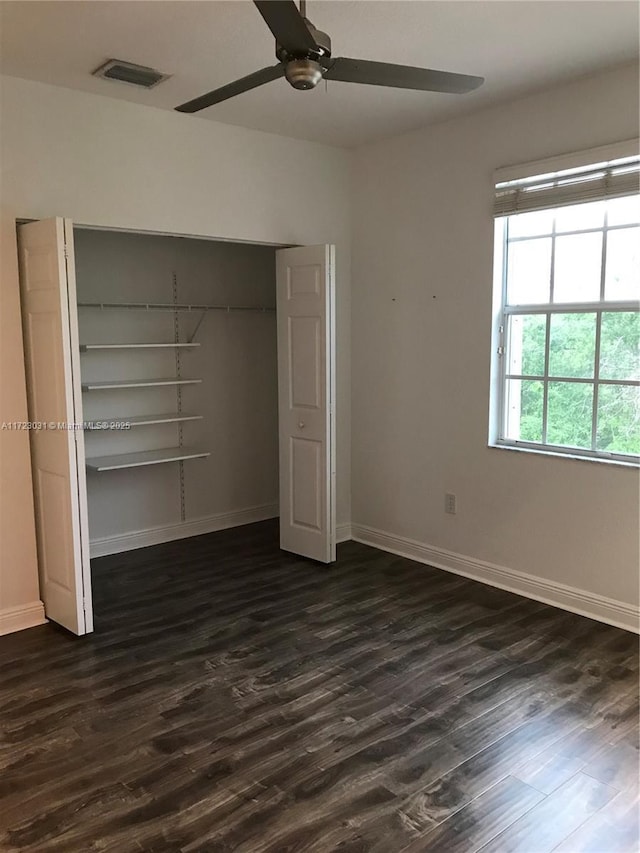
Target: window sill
(539,451)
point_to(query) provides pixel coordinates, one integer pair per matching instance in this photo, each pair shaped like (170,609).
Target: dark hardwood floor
(235,698)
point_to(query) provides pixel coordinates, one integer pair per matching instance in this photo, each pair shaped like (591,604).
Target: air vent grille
(128,72)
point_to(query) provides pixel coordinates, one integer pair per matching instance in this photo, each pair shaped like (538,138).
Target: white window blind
(598,181)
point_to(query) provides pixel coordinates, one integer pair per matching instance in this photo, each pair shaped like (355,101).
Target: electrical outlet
(450,503)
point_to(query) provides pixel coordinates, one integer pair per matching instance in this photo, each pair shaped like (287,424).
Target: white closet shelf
(175,306)
(143,420)
(137,383)
(91,347)
(145,457)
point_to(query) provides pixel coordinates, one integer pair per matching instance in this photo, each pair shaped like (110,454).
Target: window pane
(618,419)
(622,279)
(623,211)
(524,410)
(531,224)
(620,345)
(570,414)
(572,345)
(579,216)
(527,335)
(578,264)
(529,271)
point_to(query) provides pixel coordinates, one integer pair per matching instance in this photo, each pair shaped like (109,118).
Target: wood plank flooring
(236,698)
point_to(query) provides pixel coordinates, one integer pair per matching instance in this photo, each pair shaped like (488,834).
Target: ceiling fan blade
(251,81)
(400,76)
(287,25)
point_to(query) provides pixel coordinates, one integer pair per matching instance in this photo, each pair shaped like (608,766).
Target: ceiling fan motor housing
(305,72)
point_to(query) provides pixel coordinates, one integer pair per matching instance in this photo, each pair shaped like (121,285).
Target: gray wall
(105,162)
(421,343)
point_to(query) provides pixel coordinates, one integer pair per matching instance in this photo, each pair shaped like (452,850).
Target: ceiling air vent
(127,72)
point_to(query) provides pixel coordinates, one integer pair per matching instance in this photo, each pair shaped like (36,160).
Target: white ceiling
(517,45)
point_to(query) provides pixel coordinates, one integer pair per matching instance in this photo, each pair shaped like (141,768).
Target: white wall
(422,288)
(106,162)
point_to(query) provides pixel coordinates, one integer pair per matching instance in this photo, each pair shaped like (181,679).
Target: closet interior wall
(236,361)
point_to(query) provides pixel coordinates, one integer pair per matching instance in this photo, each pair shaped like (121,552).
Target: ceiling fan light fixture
(303,73)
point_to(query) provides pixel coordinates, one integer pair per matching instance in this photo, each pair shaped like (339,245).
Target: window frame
(506,311)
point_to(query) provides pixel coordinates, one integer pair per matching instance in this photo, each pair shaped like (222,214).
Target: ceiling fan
(304,58)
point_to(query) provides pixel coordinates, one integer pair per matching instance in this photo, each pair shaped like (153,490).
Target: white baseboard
(343,533)
(156,535)
(599,607)
(24,616)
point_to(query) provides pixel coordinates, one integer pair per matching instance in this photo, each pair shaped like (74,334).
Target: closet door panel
(306,383)
(57,450)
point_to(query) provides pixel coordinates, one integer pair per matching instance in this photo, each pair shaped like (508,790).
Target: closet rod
(170,306)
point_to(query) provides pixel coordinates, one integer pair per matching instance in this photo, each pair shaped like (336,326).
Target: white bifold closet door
(49,308)
(306,404)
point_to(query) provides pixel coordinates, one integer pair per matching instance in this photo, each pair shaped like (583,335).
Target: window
(568,272)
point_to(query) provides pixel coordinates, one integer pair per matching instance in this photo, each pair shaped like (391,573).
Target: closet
(179,376)
(185,385)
